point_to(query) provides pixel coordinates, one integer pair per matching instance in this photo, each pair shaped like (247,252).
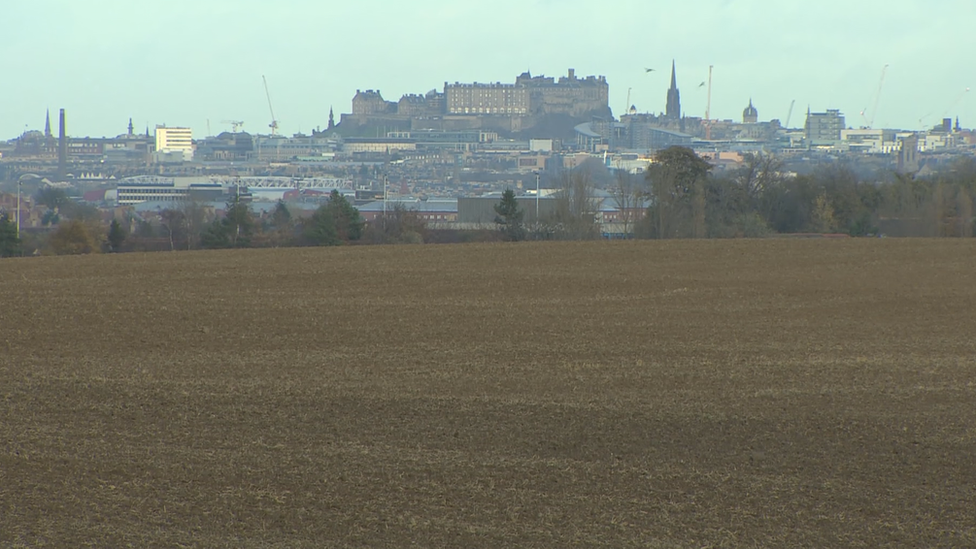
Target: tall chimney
(62,150)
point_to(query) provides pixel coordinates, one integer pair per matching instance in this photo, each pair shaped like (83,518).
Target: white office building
(149,188)
(174,140)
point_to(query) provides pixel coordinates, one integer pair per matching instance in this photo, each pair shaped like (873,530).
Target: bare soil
(638,394)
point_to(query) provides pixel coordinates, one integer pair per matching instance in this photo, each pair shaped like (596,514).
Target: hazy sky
(184,62)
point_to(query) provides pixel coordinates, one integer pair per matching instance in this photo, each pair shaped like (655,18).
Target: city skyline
(183,64)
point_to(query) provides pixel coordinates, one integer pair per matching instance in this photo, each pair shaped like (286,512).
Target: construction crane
(869,121)
(235,124)
(627,106)
(274,121)
(955,102)
(790,114)
(708,107)
(877,97)
(922,121)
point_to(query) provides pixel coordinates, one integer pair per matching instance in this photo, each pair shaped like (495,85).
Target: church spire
(331,119)
(47,124)
(130,127)
(673,110)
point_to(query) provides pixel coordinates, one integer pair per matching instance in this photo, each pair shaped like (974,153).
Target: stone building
(497,98)
(417,106)
(569,95)
(750,115)
(532,96)
(371,102)
(412,105)
(539,103)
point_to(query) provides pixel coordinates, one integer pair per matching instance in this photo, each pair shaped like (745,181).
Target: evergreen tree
(348,223)
(215,236)
(10,244)
(335,222)
(321,230)
(280,217)
(509,217)
(233,231)
(116,236)
(280,225)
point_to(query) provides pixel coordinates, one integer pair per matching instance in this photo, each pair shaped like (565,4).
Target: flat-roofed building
(378,145)
(431,211)
(823,128)
(138,189)
(169,140)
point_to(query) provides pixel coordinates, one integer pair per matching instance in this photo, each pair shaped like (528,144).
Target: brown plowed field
(642,394)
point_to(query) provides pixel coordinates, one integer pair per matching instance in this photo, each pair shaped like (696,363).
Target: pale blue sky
(182,62)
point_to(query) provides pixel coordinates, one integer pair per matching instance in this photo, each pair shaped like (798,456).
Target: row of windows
(147,198)
(488,110)
(152,191)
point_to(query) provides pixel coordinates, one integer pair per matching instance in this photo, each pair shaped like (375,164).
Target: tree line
(188,225)
(681,196)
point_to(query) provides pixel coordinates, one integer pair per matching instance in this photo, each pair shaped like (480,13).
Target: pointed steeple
(130,127)
(806,125)
(47,125)
(750,115)
(331,119)
(673,109)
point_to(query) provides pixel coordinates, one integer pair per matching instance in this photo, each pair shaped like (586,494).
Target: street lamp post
(537,197)
(19,183)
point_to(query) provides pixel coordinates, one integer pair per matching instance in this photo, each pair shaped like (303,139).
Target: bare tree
(759,171)
(575,215)
(964,212)
(628,196)
(172,220)
(194,219)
